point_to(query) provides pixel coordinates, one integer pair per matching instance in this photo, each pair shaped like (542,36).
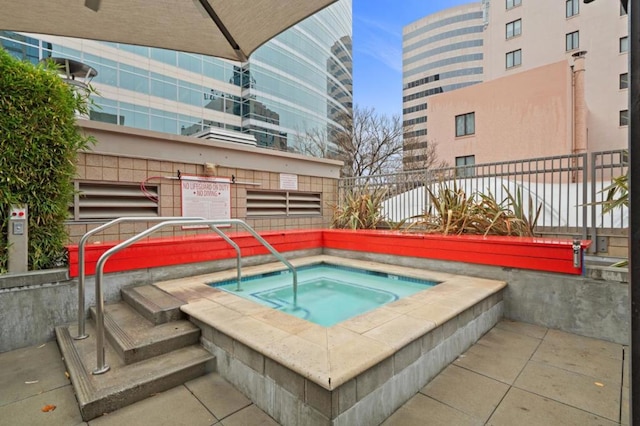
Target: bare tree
(368,142)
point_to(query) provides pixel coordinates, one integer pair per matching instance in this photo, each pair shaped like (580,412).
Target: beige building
(528,106)
(535,123)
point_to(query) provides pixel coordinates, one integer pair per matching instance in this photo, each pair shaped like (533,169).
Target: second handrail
(102,367)
(81,267)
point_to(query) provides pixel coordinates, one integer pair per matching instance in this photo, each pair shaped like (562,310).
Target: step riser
(158,349)
(100,394)
(150,310)
(130,352)
(129,356)
(127,397)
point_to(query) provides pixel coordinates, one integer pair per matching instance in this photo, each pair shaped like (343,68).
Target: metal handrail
(102,367)
(81,266)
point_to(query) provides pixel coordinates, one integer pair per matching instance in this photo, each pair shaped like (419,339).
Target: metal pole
(585,192)
(634,209)
(102,367)
(81,264)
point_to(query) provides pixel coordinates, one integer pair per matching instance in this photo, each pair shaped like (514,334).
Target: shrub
(39,141)
(361,209)
(453,212)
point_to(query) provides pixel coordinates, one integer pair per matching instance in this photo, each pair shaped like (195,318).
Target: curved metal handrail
(81,267)
(81,264)
(102,367)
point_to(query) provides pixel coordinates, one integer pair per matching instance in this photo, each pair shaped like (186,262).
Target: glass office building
(299,82)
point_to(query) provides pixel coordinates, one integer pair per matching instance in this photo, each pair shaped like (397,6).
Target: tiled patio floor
(517,374)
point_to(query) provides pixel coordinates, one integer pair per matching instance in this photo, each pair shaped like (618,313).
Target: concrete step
(135,338)
(124,384)
(154,304)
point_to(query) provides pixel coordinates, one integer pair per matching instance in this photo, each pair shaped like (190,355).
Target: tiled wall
(111,168)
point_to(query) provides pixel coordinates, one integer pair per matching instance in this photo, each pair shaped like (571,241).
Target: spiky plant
(361,209)
(454,212)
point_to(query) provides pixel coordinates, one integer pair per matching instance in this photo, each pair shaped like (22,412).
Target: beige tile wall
(111,168)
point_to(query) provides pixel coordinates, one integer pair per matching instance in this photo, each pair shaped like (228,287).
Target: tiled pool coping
(328,359)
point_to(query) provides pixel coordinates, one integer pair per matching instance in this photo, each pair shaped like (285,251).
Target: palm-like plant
(617,194)
(454,212)
(362,209)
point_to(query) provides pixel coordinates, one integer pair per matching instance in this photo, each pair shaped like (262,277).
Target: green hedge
(39,141)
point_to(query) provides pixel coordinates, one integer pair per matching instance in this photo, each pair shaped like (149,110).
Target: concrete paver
(596,395)
(515,344)
(584,345)
(516,374)
(579,361)
(530,330)
(469,392)
(176,406)
(624,409)
(499,354)
(218,395)
(492,363)
(524,408)
(30,371)
(250,416)
(28,411)
(422,410)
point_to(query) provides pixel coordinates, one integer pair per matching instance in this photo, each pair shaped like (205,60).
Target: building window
(624,80)
(514,58)
(514,28)
(466,124)
(573,7)
(513,3)
(465,166)
(624,117)
(624,44)
(572,41)
(623,11)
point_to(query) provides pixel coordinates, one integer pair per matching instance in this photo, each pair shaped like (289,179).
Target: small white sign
(288,182)
(207,197)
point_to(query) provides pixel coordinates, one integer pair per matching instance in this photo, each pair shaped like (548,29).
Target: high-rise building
(441,52)
(295,83)
(554,81)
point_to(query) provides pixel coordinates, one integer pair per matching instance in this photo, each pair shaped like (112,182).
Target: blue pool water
(327,294)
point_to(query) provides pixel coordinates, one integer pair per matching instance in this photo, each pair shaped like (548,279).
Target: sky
(377,48)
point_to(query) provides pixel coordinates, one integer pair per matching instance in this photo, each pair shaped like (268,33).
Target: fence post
(585,175)
(594,238)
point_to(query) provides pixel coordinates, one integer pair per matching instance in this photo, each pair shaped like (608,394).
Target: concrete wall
(33,304)
(576,304)
(581,305)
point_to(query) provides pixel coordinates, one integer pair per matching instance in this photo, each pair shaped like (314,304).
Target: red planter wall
(552,255)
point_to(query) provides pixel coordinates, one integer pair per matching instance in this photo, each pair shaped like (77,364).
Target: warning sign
(288,182)
(207,197)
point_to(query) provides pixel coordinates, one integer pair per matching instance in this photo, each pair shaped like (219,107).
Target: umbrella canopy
(230,29)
